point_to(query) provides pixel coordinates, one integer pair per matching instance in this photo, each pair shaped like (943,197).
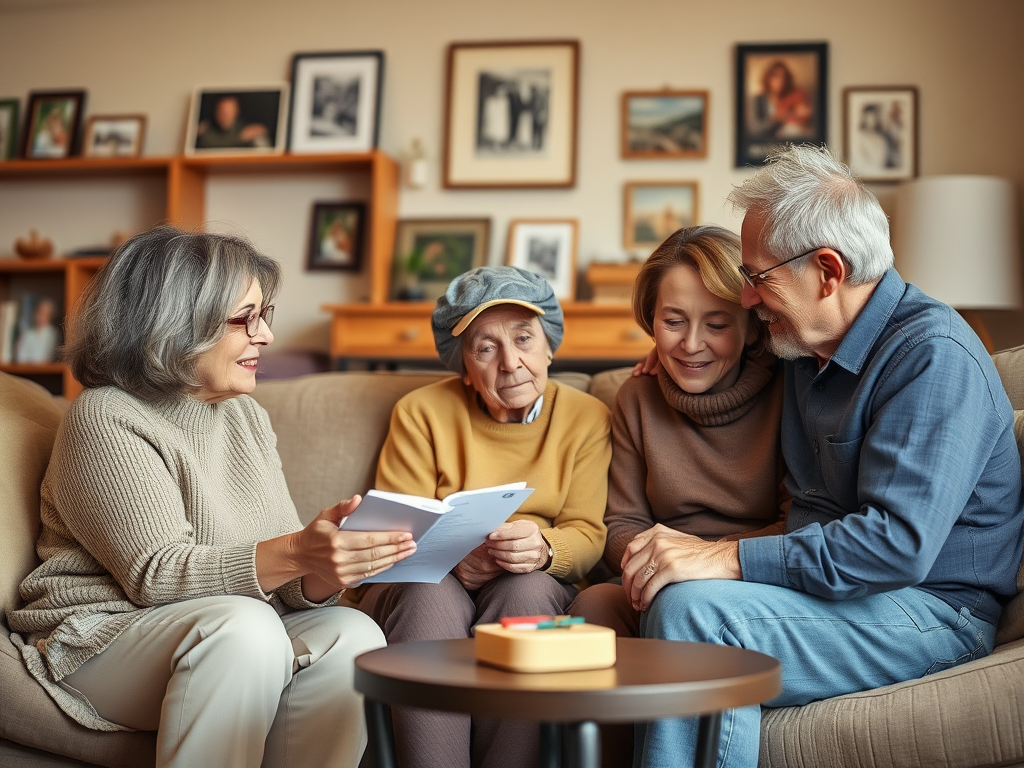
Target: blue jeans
(827,648)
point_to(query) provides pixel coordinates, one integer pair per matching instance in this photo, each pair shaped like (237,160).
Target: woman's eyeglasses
(252,320)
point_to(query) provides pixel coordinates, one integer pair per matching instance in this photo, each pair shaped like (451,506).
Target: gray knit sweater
(142,506)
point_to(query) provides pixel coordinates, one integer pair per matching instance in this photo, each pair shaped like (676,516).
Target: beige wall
(146,56)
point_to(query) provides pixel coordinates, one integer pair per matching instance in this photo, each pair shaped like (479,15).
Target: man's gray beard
(785,349)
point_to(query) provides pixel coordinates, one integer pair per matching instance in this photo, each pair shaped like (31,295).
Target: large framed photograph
(335,103)
(656,209)
(229,120)
(548,248)
(114,136)
(52,123)
(511,114)
(8,128)
(429,253)
(880,131)
(781,98)
(664,125)
(336,236)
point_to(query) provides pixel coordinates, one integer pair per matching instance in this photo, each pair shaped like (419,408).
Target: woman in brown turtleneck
(695,449)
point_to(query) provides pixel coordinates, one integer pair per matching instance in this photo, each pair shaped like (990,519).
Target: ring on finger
(650,570)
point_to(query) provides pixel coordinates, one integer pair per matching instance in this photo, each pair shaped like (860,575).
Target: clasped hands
(516,547)
(661,556)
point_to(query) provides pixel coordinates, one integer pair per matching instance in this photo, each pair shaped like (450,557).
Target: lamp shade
(956,238)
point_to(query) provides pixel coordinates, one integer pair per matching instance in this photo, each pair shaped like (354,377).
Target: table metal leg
(551,745)
(709,730)
(380,734)
(583,745)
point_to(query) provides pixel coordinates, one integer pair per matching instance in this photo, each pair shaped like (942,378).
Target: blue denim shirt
(902,464)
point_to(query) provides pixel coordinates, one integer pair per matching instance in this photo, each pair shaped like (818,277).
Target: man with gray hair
(905,531)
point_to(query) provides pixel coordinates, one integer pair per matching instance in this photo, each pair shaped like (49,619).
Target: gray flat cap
(471,293)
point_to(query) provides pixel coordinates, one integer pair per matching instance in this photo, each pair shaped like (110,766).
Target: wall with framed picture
(511,114)
(880,134)
(646,45)
(429,253)
(9,128)
(237,120)
(664,125)
(653,210)
(53,121)
(336,235)
(781,97)
(548,248)
(114,136)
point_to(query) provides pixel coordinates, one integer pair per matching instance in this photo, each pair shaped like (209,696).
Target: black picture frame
(53,123)
(336,236)
(781,98)
(351,84)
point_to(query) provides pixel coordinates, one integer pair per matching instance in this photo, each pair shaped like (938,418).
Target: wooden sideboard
(398,331)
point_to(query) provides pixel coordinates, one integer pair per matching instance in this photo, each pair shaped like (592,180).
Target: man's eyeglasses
(759,276)
(252,320)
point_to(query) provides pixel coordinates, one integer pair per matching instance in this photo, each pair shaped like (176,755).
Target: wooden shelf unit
(184,185)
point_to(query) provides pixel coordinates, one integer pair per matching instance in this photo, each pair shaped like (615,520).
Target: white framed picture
(546,247)
(880,132)
(335,101)
(237,120)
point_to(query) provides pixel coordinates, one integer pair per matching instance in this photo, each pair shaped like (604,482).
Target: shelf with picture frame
(171,189)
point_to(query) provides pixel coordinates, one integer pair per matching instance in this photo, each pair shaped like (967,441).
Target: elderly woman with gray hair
(500,421)
(178,591)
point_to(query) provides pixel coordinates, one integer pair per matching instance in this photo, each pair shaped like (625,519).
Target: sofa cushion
(28,422)
(968,715)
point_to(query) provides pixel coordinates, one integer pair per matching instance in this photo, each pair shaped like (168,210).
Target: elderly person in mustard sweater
(500,421)
(178,591)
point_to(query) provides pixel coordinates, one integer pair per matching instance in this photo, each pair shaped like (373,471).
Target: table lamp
(956,238)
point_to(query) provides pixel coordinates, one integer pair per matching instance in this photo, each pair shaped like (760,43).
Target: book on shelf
(445,530)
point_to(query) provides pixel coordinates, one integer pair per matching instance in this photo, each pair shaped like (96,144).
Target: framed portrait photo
(336,236)
(880,131)
(8,128)
(664,125)
(335,101)
(656,209)
(52,123)
(241,120)
(429,253)
(548,248)
(114,136)
(510,116)
(781,98)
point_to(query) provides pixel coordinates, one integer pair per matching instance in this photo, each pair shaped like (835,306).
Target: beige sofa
(330,428)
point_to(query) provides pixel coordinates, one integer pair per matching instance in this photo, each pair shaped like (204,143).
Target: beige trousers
(228,682)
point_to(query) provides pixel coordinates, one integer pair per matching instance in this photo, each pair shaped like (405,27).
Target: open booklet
(445,531)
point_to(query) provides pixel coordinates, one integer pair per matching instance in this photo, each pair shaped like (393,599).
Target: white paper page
(473,515)
(382,511)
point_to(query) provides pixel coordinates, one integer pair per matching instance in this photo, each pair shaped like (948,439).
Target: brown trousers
(408,612)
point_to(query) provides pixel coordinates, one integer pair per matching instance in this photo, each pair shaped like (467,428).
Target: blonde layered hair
(714,252)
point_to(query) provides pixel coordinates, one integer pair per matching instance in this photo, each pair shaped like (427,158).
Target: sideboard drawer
(382,336)
(599,337)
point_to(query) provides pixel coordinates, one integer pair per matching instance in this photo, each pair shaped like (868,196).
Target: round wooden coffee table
(651,679)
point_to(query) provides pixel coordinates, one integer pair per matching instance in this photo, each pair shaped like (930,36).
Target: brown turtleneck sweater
(707,465)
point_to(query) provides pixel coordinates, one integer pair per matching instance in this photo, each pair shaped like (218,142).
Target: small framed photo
(880,131)
(429,253)
(664,125)
(548,248)
(656,209)
(8,128)
(114,136)
(510,118)
(336,236)
(52,123)
(237,120)
(335,103)
(781,98)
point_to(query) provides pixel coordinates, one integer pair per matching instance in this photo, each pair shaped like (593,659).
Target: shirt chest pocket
(840,467)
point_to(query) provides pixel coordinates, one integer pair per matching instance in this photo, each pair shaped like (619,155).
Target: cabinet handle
(409,334)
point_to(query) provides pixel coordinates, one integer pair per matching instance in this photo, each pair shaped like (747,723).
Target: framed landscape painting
(511,114)
(880,132)
(429,253)
(335,102)
(781,98)
(664,125)
(546,247)
(656,209)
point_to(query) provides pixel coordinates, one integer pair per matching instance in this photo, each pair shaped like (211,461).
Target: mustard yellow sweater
(441,442)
